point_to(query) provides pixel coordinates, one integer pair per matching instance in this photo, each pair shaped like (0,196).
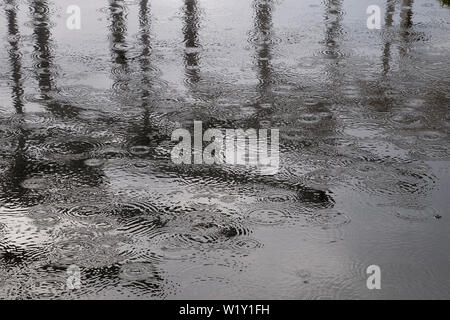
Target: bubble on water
(309,118)
(36,183)
(94,162)
(408,118)
(140,150)
(141,164)
(415,102)
(303,273)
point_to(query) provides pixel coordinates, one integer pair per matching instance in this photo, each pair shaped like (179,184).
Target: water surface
(86,176)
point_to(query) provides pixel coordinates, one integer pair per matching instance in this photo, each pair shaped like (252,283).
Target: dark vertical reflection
(191,41)
(118,30)
(23,165)
(144,26)
(406,14)
(389,19)
(333,25)
(333,31)
(141,136)
(334,64)
(18,169)
(263,42)
(43,56)
(42,47)
(118,48)
(406,23)
(144,30)
(382,101)
(143,132)
(15,57)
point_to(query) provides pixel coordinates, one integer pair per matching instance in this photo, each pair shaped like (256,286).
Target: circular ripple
(73,251)
(200,231)
(170,247)
(245,244)
(133,209)
(141,164)
(430,135)
(204,228)
(331,54)
(407,118)
(70,149)
(378,179)
(415,214)
(138,271)
(280,198)
(328,219)
(147,226)
(46,288)
(212,233)
(86,211)
(85,246)
(35,120)
(78,91)
(267,216)
(44,216)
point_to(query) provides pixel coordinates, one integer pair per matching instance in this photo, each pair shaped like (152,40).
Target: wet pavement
(86,176)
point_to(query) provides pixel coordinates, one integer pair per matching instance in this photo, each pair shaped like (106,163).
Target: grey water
(86,177)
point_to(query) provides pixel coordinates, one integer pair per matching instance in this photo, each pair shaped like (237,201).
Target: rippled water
(86,176)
